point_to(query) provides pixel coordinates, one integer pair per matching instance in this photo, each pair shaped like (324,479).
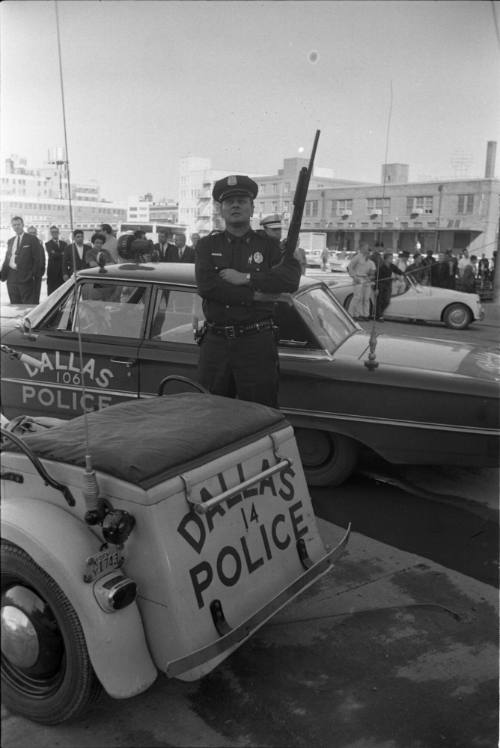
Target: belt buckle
(230,331)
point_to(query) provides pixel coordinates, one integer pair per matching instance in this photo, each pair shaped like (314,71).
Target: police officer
(234,268)
(272,225)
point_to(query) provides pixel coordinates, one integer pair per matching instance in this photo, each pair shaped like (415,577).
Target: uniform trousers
(245,367)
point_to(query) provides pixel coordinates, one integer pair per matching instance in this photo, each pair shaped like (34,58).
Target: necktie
(180,253)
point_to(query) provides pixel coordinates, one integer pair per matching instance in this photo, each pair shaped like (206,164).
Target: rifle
(299,201)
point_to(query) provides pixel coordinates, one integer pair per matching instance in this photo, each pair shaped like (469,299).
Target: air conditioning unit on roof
(346,213)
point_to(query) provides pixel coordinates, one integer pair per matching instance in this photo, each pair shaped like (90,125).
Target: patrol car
(152,536)
(410,401)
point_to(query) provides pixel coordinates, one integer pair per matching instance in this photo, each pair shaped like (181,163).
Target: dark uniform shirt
(270,272)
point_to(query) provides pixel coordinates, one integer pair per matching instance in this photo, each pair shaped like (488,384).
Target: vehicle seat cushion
(148,440)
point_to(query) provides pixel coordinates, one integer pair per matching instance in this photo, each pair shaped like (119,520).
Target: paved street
(397,647)
(389,650)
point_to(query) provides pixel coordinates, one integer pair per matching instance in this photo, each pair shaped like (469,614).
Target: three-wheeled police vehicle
(155,535)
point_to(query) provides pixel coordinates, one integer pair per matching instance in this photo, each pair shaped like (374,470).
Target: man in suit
(38,280)
(74,255)
(163,248)
(181,252)
(55,250)
(21,265)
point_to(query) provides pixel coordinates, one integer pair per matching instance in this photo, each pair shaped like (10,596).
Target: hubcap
(458,316)
(19,638)
(31,639)
(314,446)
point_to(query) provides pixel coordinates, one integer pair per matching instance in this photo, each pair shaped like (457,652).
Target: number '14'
(249,517)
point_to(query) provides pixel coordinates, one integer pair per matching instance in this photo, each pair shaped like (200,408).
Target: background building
(437,214)
(40,197)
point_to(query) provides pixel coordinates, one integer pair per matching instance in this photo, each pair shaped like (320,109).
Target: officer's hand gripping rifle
(299,201)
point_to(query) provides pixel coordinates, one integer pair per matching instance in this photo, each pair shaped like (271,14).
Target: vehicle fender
(60,543)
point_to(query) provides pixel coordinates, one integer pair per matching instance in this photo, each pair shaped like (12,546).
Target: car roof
(181,273)
(152,272)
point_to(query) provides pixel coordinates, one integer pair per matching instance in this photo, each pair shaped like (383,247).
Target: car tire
(457,316)
(47,675)
(328,459)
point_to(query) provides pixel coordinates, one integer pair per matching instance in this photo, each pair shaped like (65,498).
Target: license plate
(101,563)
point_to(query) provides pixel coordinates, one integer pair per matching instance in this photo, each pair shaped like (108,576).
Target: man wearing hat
(272,225)
(234,269)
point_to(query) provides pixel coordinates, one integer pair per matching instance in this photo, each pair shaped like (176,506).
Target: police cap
(272,221)
(236,184)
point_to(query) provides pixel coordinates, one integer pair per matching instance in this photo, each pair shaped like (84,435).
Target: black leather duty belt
(235,331)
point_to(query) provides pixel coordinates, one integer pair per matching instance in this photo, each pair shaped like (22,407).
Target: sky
(247,84)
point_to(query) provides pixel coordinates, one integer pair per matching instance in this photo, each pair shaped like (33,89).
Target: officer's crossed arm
(212,285)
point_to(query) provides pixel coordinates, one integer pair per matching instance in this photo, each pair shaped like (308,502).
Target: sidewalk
(389,650)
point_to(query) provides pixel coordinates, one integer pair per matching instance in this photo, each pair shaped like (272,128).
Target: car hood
(428,355)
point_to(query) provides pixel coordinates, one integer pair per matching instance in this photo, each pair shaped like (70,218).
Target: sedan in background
(411,301)
(113,334)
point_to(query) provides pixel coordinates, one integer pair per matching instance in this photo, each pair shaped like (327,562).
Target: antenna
(91,491)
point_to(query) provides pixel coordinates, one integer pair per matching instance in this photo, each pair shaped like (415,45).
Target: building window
(340,206)
(378,203)
(465,204)
(275,188)
(419,204)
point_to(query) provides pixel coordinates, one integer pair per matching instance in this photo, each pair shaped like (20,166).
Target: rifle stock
(299,201)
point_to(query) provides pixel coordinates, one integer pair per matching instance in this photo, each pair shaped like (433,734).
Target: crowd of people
(374,275)
(373,271)
(27,260)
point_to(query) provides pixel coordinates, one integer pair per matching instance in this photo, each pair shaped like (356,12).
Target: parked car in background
(427,402)
(411,301)
(339,260)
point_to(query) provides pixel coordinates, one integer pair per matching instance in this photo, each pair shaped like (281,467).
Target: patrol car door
(169,345)
(111,317)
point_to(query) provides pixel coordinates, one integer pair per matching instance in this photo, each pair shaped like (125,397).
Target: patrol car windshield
(36,315)
(324,317)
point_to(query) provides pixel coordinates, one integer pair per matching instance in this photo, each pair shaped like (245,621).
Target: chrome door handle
(124,361)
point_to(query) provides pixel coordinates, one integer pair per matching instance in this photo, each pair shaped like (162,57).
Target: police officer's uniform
(238,354)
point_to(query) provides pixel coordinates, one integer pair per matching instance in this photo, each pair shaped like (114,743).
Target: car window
(108,309)
(399,285)
(293,331)
(176,314)
(326,321)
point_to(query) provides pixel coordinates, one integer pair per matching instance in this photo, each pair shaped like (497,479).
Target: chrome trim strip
(390,422)
(242,632)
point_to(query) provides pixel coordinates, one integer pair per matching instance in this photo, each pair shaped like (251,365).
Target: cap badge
(232,181)
(258,257)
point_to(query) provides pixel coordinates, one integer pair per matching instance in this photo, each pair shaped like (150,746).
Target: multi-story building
(197,178)
(40,197)
(164,211)
(138,207)
(438,215)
